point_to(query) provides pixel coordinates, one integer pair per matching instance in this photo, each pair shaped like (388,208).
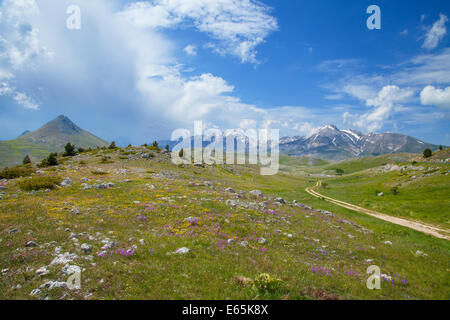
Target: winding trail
(428,229)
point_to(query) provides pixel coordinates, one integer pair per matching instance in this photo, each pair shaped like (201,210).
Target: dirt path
(428,229)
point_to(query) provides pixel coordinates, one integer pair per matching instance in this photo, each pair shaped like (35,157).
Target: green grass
(359,164)
(12,152)
(210,269)
(425,198)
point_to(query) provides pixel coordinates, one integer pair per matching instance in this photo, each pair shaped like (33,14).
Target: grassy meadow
(135,225)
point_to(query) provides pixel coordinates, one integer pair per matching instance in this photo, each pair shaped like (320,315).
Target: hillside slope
(50,138)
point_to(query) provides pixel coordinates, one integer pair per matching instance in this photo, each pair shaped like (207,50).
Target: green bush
(26,160)
(427,153)
(16,172)
(340,171)
(50,161)
(106,159)
(112,146)
(37,183)
(69,150)
(394,191)
(99,173)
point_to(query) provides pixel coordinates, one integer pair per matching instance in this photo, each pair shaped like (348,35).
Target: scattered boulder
(50,285)
(42,271)
(67,182)
(256,193)
(280,200)
(244,243)
(85,248)
(31,244)
(421,254)
(35,292)
(191,220)
(70,269)
(230,190)
(262,240)
(64,258)
(183,250)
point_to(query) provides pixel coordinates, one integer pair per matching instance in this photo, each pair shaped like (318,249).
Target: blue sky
(137,70)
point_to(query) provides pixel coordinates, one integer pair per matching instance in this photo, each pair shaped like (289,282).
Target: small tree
(69,150)
(340,171)
(167,147)
(440,148)
(52,159)
(181,153)
(112,145)
(81,150)
(427,153)
(26,160)
(155,144)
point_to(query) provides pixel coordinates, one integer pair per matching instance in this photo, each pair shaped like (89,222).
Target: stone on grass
(262,240)
(42,271)
(64,258)
(183,250)
(35,292)
(85,248)
(244,243)
(31,244)
(256,193)
(66,182)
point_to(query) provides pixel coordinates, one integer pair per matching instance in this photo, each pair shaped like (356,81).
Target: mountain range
(333,144)
(50,138)
(328,143)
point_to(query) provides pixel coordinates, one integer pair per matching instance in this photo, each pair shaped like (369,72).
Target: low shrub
(265,283)
(16,172)
(99,173)
(106,159)
(37,183)
(50,161)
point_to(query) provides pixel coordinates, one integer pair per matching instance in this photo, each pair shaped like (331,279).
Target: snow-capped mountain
(331,143)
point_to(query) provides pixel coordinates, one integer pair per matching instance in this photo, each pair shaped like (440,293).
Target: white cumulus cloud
(383,105)
(435,96)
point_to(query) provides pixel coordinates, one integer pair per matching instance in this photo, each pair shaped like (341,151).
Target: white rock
(35,292)
(183,250)
(256,193)
(50,285)
(262,240)
(64,258)
(244,243)
(70,269)
(42,271)
(388,242)
(85,248)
